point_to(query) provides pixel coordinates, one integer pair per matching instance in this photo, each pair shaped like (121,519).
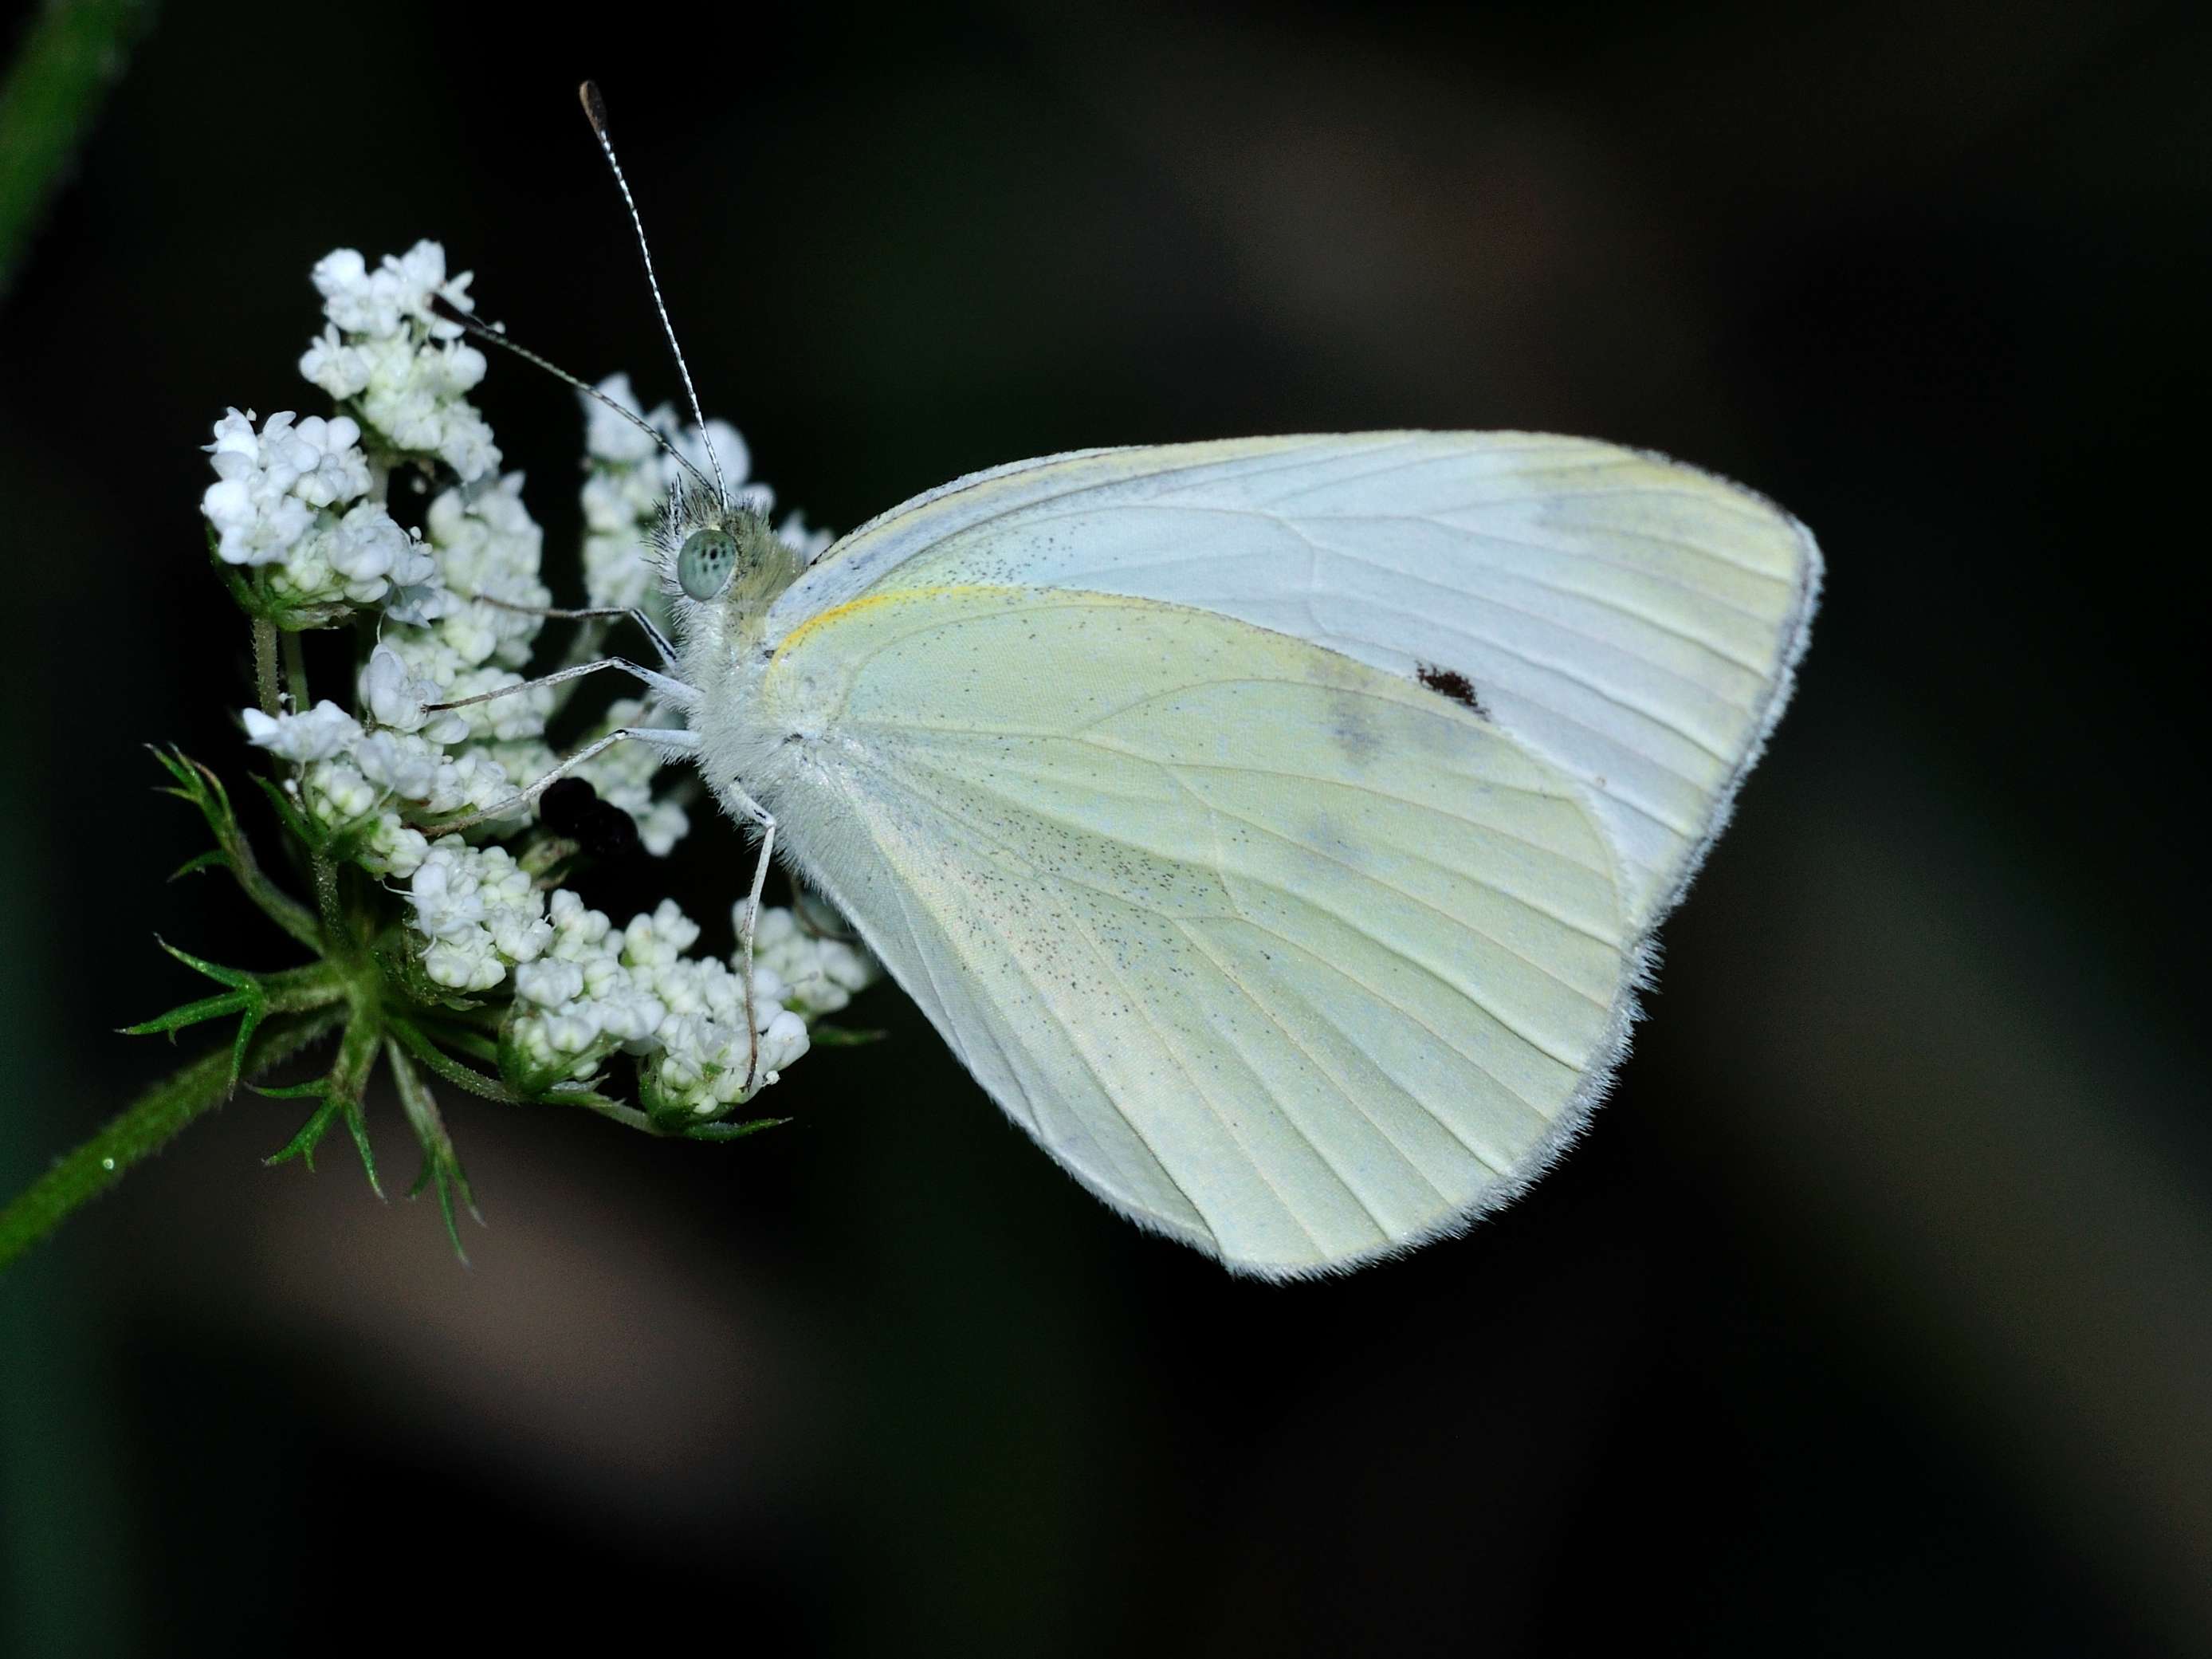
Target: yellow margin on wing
(870,601)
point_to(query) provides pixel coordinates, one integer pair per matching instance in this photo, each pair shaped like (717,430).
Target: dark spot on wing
(1351,723)
(1452,685)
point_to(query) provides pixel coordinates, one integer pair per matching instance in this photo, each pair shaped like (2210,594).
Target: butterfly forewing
(1633,621)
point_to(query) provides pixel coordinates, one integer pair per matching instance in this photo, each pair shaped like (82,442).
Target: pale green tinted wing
(1280,954)
(1632,620)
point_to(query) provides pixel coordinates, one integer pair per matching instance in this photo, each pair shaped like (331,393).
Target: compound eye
(708,559)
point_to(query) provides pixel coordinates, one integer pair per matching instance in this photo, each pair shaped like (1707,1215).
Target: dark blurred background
(1877,1311)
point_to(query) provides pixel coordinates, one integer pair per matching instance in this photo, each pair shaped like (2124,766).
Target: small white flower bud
(338,793)
(628,1013)
(393,848)
(338,368)
(548,983)
(465,962)
(782,1043)
(396,697)
(330,466)
(318,734)
(446,903)
(519,936)
(405,765)
(364,545)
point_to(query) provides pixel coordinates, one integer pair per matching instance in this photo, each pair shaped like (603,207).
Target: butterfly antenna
(595,111)
(485,331)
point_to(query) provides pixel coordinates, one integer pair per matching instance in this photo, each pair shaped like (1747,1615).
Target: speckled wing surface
(1276,828)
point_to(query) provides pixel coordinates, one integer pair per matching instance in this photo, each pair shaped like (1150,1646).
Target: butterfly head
(726,555)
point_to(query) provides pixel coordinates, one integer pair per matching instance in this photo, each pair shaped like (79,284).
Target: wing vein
(1181,1063)
(1172,768)
(1388,949)
(1343,1091)
(1266,828)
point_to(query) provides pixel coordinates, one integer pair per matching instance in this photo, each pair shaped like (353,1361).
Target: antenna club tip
(595,106)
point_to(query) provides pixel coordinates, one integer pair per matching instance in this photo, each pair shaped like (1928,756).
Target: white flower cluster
(304,500)
(628,478)
(459,606)
(409,370)
(481,912)
(584,989)
(362,779)
(820,976)
(297,496)
(303,497)
(593,989)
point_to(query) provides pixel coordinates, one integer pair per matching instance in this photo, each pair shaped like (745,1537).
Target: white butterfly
(1276,829)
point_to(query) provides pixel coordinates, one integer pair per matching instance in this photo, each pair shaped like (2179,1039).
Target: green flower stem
(264,666)
(65,63)
(141,1129)
(268,643)
(628,1116)
(296,673)
(325,925)
(410,1038)
(324,873)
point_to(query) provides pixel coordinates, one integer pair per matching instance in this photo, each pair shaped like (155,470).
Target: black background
(1873,1309)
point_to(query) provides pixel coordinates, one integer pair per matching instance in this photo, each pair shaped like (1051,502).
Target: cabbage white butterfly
(1276,829)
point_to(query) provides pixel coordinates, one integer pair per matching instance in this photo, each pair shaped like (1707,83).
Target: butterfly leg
(661,648)
(681,693)
(673,742)
(766,819)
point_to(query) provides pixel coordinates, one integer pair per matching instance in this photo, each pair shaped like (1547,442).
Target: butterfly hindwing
(1291,957)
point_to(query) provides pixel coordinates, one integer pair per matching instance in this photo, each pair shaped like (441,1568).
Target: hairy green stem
(270,642)
(410,1038)
(323,872)
(296,673)
(66,61)
(264,665)
(141,1130)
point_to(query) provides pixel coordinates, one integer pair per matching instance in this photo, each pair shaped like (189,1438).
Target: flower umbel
(450,943)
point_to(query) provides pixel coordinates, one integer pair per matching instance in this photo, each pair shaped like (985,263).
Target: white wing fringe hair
(1277,829)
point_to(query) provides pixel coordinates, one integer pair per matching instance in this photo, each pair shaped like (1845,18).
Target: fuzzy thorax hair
(720,624)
